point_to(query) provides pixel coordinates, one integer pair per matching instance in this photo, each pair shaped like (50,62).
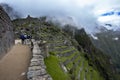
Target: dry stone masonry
(6,32)
(37,68)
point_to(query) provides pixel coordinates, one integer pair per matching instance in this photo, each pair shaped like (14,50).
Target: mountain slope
(67,60)
(95,56)
(108,42)
(10,11)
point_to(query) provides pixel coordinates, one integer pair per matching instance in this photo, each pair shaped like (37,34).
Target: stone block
(34,68)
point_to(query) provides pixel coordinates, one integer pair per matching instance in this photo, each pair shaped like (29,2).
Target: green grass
(78,68)
(88,76)
(76,59)
(43,35)
(82,75)
(70,65)
(63,52)
(62,59)
(59,41)
(77,71)
(69,50)
(54,69)
(60,47)
(97,75)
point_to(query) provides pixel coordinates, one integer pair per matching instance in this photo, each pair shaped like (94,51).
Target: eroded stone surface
(37,68)
(6,32)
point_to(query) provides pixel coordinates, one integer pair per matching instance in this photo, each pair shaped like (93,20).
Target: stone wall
(6,32)
(37,68)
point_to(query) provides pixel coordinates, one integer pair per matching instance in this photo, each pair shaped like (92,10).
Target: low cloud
(84,12)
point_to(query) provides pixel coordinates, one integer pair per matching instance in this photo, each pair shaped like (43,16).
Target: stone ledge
(37,68)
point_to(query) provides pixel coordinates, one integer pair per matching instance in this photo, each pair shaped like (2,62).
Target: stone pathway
(14,65)
(37,68)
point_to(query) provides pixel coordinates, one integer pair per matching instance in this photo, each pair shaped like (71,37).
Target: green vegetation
(66,51)
(98,59)
(60,46)
(111,42)
(54,69)
(79,57)
(62,59)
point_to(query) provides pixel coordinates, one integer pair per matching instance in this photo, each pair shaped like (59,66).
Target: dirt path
(14,63)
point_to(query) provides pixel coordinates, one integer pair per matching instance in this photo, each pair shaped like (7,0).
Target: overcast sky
(84,12)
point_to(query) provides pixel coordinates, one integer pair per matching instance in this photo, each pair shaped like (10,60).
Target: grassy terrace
(61,47)
(69,50)
(56,41)
(70,65)
(63,52)
(62,59)
(57,73)
(54,69)
(77,69)
(89,72)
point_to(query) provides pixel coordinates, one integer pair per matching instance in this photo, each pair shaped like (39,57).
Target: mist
(84,13)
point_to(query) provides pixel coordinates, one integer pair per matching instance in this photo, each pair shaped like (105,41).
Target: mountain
(72,55)
(108,41)
(10,11)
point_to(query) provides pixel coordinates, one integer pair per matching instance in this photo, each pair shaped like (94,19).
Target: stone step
(75,57)
(56,41)
(35,73)
(56,44)
(70,60)
(44,77)
(62,59)
(63,49)
(66,62)
(67,53)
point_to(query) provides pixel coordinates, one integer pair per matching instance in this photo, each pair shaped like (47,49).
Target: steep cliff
(6,32)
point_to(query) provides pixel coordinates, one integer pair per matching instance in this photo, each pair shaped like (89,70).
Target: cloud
(84,12)
(11,12)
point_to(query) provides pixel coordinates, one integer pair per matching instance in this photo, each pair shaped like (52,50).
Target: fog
(85,13)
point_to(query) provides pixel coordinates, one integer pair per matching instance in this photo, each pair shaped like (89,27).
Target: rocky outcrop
(37,68)
(6,32)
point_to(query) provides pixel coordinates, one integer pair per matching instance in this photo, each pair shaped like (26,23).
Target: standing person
(22,37)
